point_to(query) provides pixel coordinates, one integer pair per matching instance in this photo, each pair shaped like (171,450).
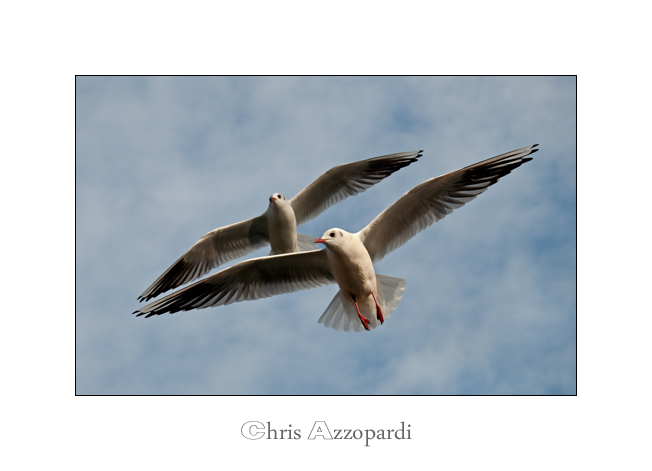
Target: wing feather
(212,250)
(346,180)
(252,279)
(434,199)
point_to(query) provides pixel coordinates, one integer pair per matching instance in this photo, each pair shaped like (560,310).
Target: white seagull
(365,299)
(278,225)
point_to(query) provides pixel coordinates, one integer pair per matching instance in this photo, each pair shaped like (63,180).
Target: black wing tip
(404,161)
(146,314)
(172,278)
(398,156)
(384,167)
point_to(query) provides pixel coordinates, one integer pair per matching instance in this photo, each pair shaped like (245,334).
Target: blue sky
(489,307)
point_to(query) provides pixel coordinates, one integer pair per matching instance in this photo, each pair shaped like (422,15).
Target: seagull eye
(332,234)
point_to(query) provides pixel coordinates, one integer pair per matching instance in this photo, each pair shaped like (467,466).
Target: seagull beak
(319,241)
(272,199)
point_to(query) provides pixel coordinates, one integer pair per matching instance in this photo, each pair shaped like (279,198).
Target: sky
(490,302)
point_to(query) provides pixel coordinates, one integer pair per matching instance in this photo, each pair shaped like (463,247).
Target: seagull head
(332,237)
(276,198)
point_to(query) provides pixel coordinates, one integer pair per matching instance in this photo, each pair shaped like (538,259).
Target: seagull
(365,299)
(278,225)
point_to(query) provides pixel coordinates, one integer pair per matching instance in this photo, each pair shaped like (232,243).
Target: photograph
(326,235)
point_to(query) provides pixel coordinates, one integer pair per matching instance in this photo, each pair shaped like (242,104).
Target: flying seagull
(365,299)
(278,225)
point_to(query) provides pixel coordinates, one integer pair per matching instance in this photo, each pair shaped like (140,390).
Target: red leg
(363,319)
(379,313)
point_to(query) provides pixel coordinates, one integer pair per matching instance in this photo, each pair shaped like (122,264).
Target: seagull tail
(391,291)
(343,316)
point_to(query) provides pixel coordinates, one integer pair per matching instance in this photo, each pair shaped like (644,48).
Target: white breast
(352,267)
(282,227)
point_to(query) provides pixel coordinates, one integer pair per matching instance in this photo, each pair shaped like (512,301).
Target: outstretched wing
(346,180)
(252,279)
(214,249)
(432,200)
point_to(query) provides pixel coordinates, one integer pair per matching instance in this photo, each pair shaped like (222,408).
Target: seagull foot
(363,319)
(379,313)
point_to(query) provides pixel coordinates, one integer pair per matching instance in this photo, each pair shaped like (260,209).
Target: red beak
(319,241)
(273,199)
